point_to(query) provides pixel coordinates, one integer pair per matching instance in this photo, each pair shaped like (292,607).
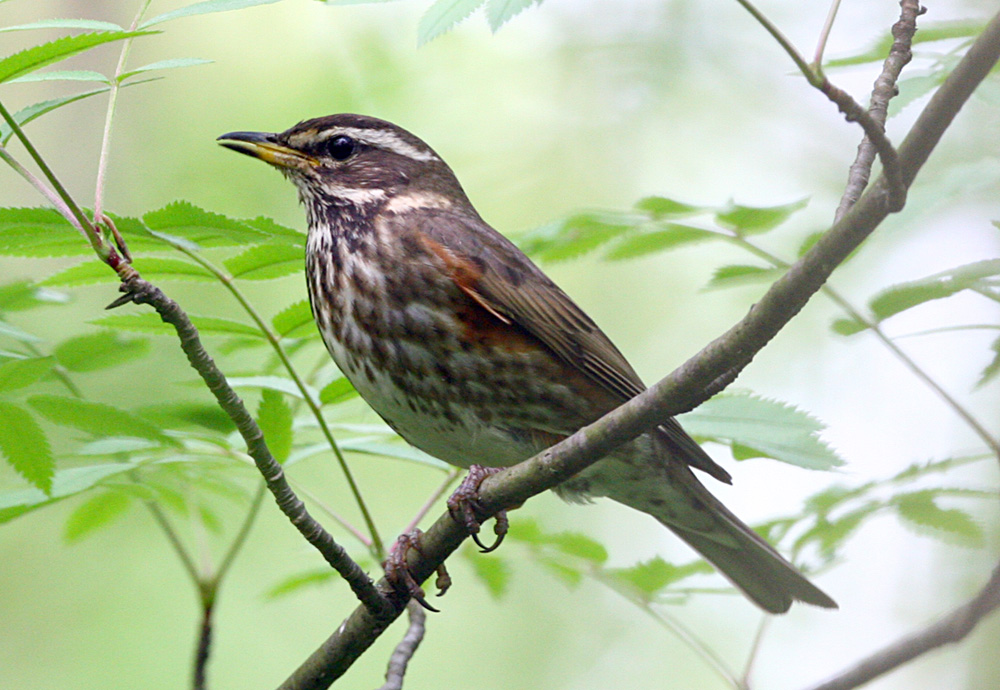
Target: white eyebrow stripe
(386,140)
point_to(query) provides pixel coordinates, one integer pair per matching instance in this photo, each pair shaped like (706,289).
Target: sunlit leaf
(65,483)
(274,417)
(203,228)
(652,576)
(740,274)
(671,236)
(576,235)
(266,261)
(172,63)
(750,220)
(442,16)
(295,321)
(39,232)
(24,445)
(903,296)
(848,326)
(100,350)
(19,373)
(39,56)
(98,419)
(276,231)
(91,272)
(100,510)
(205,7)
(62,75)
(919,510)
(337,391)
(65,24)
(660,207)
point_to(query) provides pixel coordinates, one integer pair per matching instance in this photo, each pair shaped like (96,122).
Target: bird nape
(471,353)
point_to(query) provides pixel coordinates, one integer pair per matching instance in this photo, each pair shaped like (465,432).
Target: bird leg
(397,571)
(465,508)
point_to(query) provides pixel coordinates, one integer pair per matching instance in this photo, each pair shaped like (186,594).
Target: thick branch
(952,628)
(685,387)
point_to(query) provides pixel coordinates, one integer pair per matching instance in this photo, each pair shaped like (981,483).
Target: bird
(474,355)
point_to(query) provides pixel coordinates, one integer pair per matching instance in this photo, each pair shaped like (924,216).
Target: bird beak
(264,145)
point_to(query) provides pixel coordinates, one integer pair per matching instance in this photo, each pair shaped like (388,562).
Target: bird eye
(341,147)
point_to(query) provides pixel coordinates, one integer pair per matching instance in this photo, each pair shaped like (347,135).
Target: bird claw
(397,571)
(463,505)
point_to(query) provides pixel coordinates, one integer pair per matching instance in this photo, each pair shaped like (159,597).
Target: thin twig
(952,628)
(824,35)
(406,648)
(41,188)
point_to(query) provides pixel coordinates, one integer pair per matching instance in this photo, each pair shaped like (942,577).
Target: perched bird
(470,352)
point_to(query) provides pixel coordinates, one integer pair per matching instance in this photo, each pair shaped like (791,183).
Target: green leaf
(442,16)
(739,274)
(39,56)
(65,24)
(661,207)
(62,75)
(29,113)
(96,419)
(151,323)
(273,383)
(205,229)
(499,12)
(337,391)
(993,368)
(652,576)
(919,510)
(17,334)
(101,350)
(164,64)
(493,572)
(673,235)
(389,449)
(91,272)
(295,321)
(298,581)
(576,235)
(767,428)
(25,446)
(19,373)
(579,545)
(274,416)
(750,220)
(39,232)
(24,294)
(830,535)
(207,415)
(65,483)
(276,231)
(903,296)
(848,326)
(206,7)
(98,511)
(570,575)
(266,261)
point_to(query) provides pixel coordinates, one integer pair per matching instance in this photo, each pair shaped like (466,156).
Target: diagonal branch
(684,388)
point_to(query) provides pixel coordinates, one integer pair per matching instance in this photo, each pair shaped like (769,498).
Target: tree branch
(952,628)
(684,388)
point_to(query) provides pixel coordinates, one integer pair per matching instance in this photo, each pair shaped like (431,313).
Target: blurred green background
(572,105)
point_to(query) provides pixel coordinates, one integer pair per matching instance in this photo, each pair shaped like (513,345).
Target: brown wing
(503,280)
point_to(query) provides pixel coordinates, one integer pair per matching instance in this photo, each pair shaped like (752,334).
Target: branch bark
(683,389)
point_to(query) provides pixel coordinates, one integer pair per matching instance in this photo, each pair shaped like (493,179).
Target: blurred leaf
(91,272)
(205,7)
(492,571)
(17,334)
(97,419)
(571,576)
(337,391)
(933,467)
(19,373)
(914,88)
(919,510)
(26,448)
(273,383)
(39,56)
(750,220)
(266,261)
(903,296)
(828,536)
(673,235)
(652,576)
(576,235)
(499,12)
(39,232)
(809,242)
(24,294)
(204,228)
(151,323)
(579,545)
(389,449)
(736,274)
(929,32)
(164,64)
(62,75)
(993,368)
(848,326)
(661,207)
(299,581)
(768,428)
(206,415)
(277,231)
(65,24)
(98,511)
(29,113)
(442,16)
(274,417)
(99,351)
(295,321)
(16,502)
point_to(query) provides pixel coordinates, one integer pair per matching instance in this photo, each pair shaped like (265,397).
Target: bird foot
(397,571)
(465,508)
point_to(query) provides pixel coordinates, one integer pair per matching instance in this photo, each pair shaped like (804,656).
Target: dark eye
(341,147)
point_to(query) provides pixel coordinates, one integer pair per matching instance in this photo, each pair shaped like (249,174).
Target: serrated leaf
(493,572)
(751,220)
(151,323)
(579,545)
(929,32)
(266,261)
(499,12)
(848,326)
(337,391)
(39,232)
(65,483)
(203,228)
(206,7)
(739,274)
(993,368)
(571,576)
(295,321)
(673,235)
(576,235)
(172,63)
(98,511)
(659,207)
(24,445)
(19,373)
(442,16)
(652,576)
(65,24)
(951,524)
(770,428)
(298,581)
(828,536)
(903,296)
(99,351)
(92,272)
(274,417)
(30,59)
(61,75)
(96,419)
(276,231)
